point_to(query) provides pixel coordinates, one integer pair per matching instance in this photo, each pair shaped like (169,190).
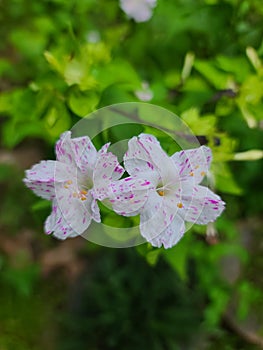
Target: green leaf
(199,125)
(224,180)
(57,119)
(83,102)
(216,77)
(177,257)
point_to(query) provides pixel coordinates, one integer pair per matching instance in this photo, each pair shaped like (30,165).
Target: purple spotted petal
(84,153)
(156,216)
(104,148)
(136,159)
(63,149)
(202,206)
(56,224)
(42,176)
(128,196)
(193,163)
(76,207)
(145,155)
(171,235)
(78,152)
(107,169)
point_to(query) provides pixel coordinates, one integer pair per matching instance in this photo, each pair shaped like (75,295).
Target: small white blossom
(139,10)
(144,94)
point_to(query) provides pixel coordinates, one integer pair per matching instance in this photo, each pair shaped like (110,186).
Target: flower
(139,10)
(144,94)
(73,183)
(172,193)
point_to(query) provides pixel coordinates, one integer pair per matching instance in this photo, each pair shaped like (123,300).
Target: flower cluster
(165,191)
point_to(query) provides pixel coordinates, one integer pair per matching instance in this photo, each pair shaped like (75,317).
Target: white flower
(139,10)
(165,190)
(144,94)
(74,182)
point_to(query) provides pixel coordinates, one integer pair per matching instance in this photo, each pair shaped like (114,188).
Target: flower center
(81,194)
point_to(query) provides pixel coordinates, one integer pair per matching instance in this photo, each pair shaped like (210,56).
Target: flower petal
(145,155)
(57,224)
(202,206)
(156,216)
(107,168)
(171,235)
(104,148)
(84,153)
(42,176)
(63,148)
(79,151)
(193,162)
(128,196)
(76,209)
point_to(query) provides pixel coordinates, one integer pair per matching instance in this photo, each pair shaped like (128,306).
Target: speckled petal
(171,235)
(146,155)
(76,209)
(202,206)
(156,216)
(84,153)
(78,151)
(136,159)
(63,149)
(104,148)
(56,224)
(42,176)
(128,196)
(107,168)
(193,163)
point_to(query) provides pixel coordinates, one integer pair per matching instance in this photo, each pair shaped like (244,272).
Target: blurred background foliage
(201,59)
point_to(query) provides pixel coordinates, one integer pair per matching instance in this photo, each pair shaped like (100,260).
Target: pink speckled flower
(74,182)
(171,193)
(139,10)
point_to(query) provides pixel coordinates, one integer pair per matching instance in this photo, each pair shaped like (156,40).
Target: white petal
(78,151)
(104,148)
(84,153)
(129,195)
(171,235)
(76,210)
(107,168)
(42,176)
(157,215)
(95,211)
(56,224)
(145,155)
(193,163)
(202,206)
(63,148)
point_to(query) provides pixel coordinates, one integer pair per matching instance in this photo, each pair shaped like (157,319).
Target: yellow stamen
(161,193)
(179,205)
(191,173)
(83,198)
(202,173)
(69,182)
(83,192)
